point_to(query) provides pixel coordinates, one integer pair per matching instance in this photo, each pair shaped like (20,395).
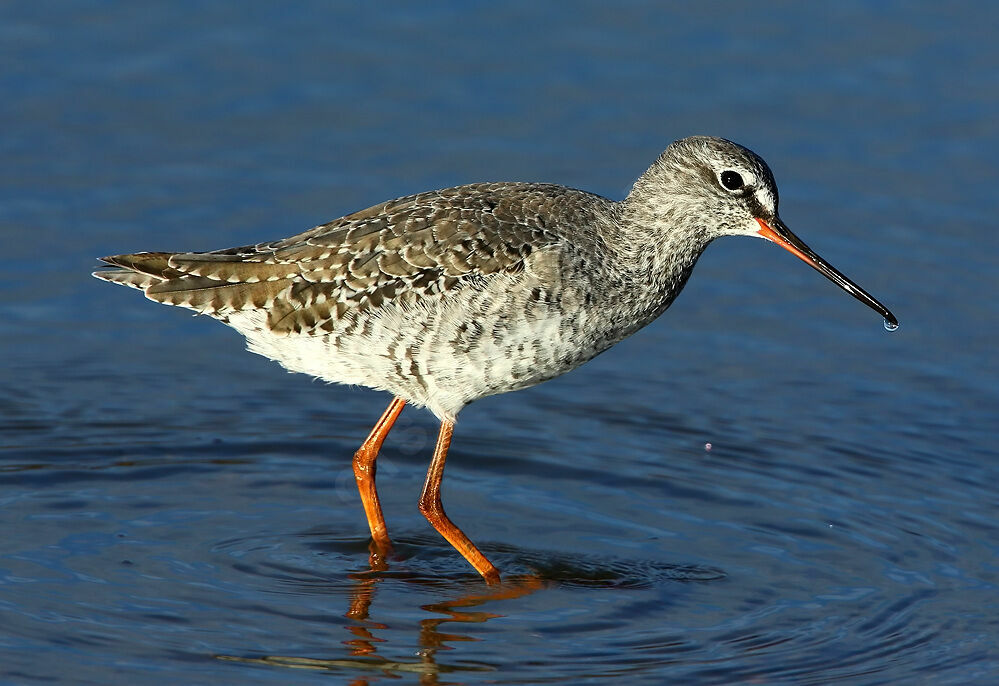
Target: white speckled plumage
(448,296)
(445,297)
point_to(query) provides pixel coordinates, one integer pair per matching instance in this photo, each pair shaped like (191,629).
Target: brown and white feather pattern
(440,297)
(402,251)
(448,296)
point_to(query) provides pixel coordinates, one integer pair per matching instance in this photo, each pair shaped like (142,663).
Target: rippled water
(177,511)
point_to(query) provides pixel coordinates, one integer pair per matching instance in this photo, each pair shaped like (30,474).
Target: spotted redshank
(448,296)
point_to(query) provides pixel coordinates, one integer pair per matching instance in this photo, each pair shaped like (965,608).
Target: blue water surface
(175,510)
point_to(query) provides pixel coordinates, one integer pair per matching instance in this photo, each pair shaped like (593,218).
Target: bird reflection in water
(363,648)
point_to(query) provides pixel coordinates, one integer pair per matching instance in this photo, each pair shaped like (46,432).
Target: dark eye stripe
(756,207)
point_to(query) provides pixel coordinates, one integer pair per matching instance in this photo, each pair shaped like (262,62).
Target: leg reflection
(364,661)
(360,603)
(431,637)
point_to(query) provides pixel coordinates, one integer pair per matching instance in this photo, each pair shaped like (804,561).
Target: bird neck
(660,241)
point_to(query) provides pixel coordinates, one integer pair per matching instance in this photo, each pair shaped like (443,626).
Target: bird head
(719,188)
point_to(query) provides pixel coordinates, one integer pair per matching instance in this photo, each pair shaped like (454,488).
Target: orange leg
(364,473)
(433,510)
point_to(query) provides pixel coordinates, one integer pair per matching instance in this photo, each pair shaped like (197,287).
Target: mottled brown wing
(403,251)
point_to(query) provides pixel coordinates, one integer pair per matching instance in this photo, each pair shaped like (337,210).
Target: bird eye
(731,180)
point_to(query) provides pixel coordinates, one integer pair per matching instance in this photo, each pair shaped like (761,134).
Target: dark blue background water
(175,510)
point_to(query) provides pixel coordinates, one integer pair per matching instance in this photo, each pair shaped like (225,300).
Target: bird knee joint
(430,508)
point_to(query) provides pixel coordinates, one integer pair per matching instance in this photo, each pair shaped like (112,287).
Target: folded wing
(403,251)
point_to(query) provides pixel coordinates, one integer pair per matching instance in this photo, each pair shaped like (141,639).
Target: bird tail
(138,270)
(209,283)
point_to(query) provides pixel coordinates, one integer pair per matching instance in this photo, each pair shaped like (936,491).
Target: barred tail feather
(153,274)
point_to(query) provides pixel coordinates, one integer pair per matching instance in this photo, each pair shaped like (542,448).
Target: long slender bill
(776,232)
